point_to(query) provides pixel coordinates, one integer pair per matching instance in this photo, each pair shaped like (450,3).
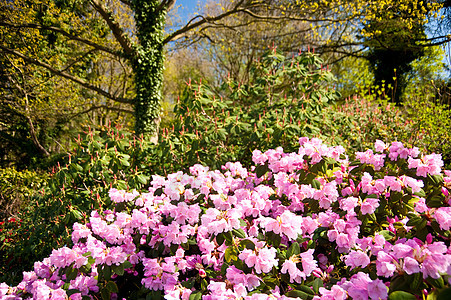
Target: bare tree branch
(126,2)
(26,114)
(66,34)
(118,33)
(165,4)
(94,107)
(285,17)
(182,32)
(66,75)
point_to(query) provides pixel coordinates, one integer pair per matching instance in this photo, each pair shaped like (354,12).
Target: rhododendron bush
(309,225)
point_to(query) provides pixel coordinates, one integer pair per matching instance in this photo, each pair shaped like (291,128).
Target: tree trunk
(148,66)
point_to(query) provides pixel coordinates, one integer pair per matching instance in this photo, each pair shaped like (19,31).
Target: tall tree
(38,106)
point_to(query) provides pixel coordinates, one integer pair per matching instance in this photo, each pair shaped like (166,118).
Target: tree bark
(148,66)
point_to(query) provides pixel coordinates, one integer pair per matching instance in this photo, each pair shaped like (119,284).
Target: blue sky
(188,7)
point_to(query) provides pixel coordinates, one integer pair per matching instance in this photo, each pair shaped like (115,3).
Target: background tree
(45,88)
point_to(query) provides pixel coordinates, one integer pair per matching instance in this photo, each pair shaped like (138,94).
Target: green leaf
(127,264)
(124,162)
(220,239)
(72,291)
(77,215)
(437,180)
(112,287)
(435,201)
(107,272)
(395,196)
(203,284)
(158,192)
(141,178)
(261,170)
(444,294)
(421,193)
(299,294)
(188,283)
(239,233)
(105,294)
(401,295)
(230,254)
(388,235)
(197,295)
(438,283)
(248,244)
(418,222)
(275,239)
(119,270)
(306,289)
(228,236)
(416,280)
(317,283)
(294,249)
(154,295)
(71,273)
(316,184)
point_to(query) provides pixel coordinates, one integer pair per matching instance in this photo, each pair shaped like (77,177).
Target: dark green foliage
(392,48)
(431,122)
(283,101)
(17,188)
(17,191)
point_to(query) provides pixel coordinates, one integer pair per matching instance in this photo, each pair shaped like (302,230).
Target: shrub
(17,188)
(359,122)
(283,100)
(99,161)
(432,126)
(308,224)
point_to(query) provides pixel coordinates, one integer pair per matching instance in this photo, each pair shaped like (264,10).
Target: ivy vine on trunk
(148,63)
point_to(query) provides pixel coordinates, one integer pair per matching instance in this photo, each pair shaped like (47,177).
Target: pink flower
(289,266)
(377,289)
(40,290)
(348,204)
(263,261)
(443,217)
(258,157)
(58,294)
(84,284)
(411,265)
(65,256)
(236,276)
(80,231)
(357,259)
(429,164)
(308,262)
(287,223)
(380,146)
(369,205)
(385,264)
(420,206)
(368,157)
(335,293)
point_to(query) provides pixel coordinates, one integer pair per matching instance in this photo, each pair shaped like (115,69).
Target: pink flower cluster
(231,234)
